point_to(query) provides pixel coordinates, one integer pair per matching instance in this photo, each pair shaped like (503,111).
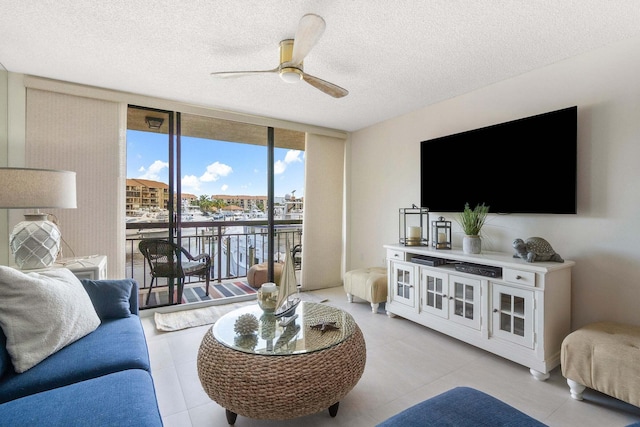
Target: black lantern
(441,232)
(414,226)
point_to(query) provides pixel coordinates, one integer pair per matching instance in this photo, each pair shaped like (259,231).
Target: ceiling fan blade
(309,31)
(232,74)
(328,88)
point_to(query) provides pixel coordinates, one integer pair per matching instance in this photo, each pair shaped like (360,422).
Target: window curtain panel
(322,237)
(83,135)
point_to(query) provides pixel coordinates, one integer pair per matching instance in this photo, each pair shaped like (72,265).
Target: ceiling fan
(292,54)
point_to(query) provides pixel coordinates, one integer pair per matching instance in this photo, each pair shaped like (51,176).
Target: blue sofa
(102,379)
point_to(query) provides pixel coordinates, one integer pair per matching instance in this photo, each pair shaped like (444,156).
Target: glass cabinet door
(513,314)
(435,292)
(403,284)
(465,301)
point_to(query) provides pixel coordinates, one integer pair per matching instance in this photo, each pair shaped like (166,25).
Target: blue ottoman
(461,407)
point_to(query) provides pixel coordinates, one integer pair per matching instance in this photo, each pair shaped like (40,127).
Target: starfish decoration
(325,326)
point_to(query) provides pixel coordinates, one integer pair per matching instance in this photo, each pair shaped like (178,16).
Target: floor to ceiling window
(189,176)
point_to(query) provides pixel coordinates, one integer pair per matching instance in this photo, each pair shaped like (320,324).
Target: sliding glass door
(212,185)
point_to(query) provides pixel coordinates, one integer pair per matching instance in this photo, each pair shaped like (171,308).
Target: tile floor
(406,363)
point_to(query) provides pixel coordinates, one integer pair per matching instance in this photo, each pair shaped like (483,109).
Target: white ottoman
(369,284)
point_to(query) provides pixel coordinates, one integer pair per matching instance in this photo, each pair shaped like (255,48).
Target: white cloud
(281,165)
(215,171)
(191,181)
(224,187)
(153,172)
(292,156)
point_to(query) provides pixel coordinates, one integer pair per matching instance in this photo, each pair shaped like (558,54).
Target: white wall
(603,238)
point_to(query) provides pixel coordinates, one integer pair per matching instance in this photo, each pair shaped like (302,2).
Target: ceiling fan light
(291,75)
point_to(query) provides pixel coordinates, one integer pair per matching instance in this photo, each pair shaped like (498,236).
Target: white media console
(515,309)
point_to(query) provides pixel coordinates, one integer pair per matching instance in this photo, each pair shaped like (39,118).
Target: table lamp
(35,242)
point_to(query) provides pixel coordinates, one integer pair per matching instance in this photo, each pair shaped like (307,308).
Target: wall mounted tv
(522,166)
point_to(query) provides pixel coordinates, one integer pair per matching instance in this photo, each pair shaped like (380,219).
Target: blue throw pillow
(110,298)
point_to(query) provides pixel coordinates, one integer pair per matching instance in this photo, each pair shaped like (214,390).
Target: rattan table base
(283,386)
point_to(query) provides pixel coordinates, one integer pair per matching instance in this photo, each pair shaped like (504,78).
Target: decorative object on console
(413,226)
(441,232)
(535,249)
(471,221)
(35,241)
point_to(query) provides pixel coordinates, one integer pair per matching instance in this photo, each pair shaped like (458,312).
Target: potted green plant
(471,222)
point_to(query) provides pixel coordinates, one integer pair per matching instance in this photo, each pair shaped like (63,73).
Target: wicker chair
(165,259)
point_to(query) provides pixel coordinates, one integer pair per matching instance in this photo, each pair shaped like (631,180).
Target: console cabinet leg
(540,376)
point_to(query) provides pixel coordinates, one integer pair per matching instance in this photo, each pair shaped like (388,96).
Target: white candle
(413,232)
(442,238)
(268,287)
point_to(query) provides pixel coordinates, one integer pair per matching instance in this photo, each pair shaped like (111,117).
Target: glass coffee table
(281,372)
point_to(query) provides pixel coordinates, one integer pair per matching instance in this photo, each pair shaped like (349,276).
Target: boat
(287,303)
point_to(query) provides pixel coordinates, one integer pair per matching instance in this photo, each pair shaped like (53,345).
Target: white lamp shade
(22,188)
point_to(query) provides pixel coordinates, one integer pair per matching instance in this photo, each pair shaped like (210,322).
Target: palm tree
(205,203)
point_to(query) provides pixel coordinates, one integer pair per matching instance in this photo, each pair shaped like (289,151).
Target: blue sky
(215,167)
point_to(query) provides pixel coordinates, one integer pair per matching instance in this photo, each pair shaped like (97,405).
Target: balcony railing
(234,246)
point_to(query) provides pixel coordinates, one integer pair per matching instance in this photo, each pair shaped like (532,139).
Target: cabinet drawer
(527,278)
(395,255)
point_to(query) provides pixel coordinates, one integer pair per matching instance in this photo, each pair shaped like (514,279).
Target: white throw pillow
(41,313)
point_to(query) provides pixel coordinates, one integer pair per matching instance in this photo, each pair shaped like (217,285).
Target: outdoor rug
(178,320)
(196,293)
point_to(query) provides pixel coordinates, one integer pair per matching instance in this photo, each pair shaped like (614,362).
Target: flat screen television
(522,166)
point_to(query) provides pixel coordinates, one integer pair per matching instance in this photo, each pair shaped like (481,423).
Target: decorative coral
(246,324)
(248,342)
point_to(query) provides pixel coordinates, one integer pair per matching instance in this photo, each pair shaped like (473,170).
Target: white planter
(471,244)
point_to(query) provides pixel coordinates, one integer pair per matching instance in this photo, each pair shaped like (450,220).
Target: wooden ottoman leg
(333,409)
(231,417)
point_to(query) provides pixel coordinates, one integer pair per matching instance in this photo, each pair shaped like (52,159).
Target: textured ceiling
(392,56)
